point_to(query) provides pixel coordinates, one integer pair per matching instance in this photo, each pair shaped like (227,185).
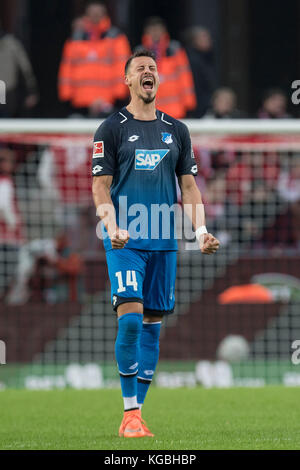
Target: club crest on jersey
(166,137)
(149,159)
(98,149)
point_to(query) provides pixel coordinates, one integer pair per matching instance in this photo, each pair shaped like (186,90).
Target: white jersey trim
(163,120)
(125,118)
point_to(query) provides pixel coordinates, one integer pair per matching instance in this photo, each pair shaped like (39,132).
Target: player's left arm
(194,208)
(186,170)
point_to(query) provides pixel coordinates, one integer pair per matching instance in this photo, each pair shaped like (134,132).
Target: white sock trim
(130,402)
(128,375)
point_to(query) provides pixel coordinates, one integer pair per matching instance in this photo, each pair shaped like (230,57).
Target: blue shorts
(147,277)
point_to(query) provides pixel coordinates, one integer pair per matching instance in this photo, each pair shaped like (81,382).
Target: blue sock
(149,354)
(127,355)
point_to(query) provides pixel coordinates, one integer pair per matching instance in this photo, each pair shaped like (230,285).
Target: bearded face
(142,78)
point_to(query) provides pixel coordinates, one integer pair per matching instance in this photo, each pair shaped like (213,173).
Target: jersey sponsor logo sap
(98,149)
(149,159)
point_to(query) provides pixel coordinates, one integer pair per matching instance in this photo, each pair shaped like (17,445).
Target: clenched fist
(119,239)
(208,244)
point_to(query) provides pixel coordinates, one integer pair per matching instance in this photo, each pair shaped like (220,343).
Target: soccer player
(138,152)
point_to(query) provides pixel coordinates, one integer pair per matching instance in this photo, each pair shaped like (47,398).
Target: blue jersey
(144,158)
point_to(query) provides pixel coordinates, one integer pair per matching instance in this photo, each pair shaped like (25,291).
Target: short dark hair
(96,3)
(100,3)
(154,21)
(272,92)
(139,53)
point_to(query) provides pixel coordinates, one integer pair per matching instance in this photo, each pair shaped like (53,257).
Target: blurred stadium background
(237,313)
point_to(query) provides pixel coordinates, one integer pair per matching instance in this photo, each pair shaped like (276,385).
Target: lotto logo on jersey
(149,159)
(194,169)
(98,149)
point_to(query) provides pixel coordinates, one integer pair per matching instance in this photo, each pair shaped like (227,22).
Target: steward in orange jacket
(176,94)
(92,65)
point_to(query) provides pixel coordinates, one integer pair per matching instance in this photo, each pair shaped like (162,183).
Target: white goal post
(196,127)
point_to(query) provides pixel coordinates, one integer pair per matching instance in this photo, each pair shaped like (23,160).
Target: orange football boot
(146,430)
(131,425)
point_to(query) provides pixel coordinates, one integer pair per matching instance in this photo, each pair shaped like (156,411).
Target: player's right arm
(103,169)
(106,211)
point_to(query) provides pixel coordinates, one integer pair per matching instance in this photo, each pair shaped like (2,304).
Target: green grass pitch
(182,419)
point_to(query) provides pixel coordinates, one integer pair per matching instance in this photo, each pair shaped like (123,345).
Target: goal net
(237,315)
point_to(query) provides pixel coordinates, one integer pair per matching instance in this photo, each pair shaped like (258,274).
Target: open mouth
(148,83)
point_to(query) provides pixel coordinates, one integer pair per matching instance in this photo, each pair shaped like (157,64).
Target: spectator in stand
(176,94)
(199,49)
(289,180)
(253,177)
(11,229)
(17,74)
(224,105)
(289,191)
(50,253)
(92,66)
(250,184)
(274,105)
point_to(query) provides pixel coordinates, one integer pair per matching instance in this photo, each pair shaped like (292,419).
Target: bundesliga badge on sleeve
(98,149)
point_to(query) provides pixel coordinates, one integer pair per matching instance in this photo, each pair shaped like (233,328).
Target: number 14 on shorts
(130,281)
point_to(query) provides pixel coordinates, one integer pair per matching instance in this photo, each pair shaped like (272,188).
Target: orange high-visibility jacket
(93,69)
(176,93)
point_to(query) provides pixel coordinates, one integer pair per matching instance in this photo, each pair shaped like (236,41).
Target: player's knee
(131,324)
(152,319)
(129,307)
(128,337)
